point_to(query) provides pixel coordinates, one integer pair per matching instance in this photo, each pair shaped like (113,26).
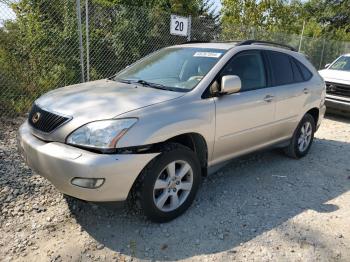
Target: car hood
(102,99)
(337,76)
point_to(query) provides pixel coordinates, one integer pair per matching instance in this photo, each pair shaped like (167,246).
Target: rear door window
(281,68)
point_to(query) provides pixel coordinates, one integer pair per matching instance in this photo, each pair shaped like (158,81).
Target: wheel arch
(314,112)
(196,142)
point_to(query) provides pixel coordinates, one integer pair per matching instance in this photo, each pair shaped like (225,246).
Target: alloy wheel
(305,136)
(173,186)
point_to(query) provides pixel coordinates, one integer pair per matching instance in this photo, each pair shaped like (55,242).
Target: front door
(244,119)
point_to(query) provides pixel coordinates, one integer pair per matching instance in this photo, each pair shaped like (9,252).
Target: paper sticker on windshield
(207,54)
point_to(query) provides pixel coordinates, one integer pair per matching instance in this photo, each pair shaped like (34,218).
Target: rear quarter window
(298,76)
(304,71)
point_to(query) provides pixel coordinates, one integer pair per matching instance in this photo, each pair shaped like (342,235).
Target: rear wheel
(302,139)
(169,183)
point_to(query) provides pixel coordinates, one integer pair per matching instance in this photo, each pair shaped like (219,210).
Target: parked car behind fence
(337,77)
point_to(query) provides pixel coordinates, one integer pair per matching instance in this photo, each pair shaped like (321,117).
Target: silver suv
(149,133)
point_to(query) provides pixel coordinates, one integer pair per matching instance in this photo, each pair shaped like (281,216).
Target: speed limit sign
(179,25)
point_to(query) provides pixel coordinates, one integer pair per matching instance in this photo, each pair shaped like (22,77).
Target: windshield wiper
(154,85)
(142,82)
(126,81)
(149,84)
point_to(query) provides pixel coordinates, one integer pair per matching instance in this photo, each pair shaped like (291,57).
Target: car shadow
(338,117)
(249,196)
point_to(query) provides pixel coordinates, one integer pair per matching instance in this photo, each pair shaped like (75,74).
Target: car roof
(249,44)
(214,45)
(231,44)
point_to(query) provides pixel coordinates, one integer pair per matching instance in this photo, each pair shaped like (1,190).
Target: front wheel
(169,183)
(302,138)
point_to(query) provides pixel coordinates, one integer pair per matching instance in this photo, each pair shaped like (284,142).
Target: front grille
(45,121)
(338,89)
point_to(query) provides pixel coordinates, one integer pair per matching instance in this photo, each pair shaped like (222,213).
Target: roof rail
(194,42)
(250,42)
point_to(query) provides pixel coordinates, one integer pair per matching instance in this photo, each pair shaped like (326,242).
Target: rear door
(292,90)
(244,119)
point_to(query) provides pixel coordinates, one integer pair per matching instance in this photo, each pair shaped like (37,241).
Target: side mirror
(327,65)
(230,84)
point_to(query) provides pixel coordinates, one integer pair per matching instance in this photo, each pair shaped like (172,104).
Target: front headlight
(102,134)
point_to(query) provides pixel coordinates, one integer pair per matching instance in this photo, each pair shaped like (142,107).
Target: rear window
(281,68)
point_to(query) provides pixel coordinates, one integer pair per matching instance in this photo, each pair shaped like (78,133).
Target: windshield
(343,63)
(177,69)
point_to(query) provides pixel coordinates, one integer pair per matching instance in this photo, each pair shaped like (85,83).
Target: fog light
(88,182)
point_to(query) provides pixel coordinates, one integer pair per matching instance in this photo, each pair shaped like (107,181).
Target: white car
(337,78)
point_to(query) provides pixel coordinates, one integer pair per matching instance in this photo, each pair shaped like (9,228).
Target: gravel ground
(261,207)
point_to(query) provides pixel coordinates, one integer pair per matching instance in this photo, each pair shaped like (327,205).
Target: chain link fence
(319,51)
(42,48)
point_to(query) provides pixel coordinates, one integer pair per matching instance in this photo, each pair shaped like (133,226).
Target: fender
(159,123)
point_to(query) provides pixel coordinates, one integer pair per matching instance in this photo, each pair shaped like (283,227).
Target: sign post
(180,25)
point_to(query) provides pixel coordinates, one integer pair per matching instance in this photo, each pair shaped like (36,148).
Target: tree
(282,21)
(244,18)
(332,16)
(329,18)
(39,50)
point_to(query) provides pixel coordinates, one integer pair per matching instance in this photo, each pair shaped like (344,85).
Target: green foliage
(323,18)
(181,7)
(121,34)
(33,59)
(39,51)
(332,16)
(282,21)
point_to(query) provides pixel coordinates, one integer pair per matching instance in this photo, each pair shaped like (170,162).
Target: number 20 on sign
(178,25)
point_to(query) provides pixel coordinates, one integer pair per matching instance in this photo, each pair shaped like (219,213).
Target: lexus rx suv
(337,77)
(149,133)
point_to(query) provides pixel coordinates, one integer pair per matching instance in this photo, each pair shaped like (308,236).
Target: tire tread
(134,199)
(290,150)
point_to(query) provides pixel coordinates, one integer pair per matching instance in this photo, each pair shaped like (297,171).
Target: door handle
(306,90)
(268,98)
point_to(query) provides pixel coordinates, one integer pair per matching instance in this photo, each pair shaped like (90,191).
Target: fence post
(87,40)
(189,28)
(301,36)
(321,60)
(253,33)
(80,41)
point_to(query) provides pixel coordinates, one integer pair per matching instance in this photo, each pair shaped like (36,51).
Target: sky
(217,5)
(5,13)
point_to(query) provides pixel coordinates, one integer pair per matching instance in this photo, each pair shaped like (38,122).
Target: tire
(294,149)
(173,157)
